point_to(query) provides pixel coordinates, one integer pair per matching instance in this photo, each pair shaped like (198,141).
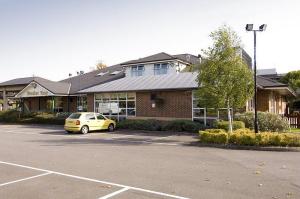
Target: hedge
(266,121)
(156,125)
(246,137)
(225,125)
(12,116)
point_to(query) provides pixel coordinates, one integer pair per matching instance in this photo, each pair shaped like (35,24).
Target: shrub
(150,125)
(246,137)
(225,125)
(215,130)
(182,125)
(156,125)
(213,138)
(266,121)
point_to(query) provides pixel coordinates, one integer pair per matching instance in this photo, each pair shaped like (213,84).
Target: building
(155,86)
(34,94)
(272,96)
(39,94)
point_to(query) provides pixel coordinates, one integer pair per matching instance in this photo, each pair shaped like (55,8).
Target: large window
(137,70)
(161,69)
(58,104)
(115,105)
(82,103)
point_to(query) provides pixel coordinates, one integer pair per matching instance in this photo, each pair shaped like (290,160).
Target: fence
(294,120)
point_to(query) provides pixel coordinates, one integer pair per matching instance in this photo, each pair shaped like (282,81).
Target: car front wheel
(111,128)
(84,129)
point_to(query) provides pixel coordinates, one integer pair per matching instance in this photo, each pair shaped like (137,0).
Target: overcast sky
(52,38)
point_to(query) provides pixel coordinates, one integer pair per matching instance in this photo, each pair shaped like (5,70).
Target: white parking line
(29,178)
(94,180)
(115,193)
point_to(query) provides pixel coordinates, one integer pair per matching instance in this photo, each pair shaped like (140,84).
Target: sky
(52,38)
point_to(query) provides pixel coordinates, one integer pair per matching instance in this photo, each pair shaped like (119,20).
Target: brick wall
(175,104)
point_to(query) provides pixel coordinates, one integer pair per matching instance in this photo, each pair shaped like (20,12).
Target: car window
(75,116)
(100,117)
(90,117)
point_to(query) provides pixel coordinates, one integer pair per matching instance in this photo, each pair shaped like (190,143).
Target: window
(161,69)
(115,105)
(75,116)
(137,70)
(82,103)
(100,117)
(90,117)
(58,104)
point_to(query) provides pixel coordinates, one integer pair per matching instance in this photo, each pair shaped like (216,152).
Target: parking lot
(44,162)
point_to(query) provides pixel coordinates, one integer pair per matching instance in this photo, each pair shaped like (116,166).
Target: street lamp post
(249,27)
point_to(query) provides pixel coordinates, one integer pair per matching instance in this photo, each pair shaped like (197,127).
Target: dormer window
(161,69)
(137,70)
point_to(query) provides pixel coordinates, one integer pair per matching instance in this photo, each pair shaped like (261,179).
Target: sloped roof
(266,82)
(54,87)
(192,59)
(143,83)
(17,81)
(152,58)
(94,78)
(188,58)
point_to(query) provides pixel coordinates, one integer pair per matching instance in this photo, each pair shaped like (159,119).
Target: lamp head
(263,27)
(249,27)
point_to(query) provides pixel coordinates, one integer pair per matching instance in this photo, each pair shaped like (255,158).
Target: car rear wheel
(84,129)
(111,128)
(68,132)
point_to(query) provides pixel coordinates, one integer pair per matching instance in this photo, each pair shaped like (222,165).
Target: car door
(101,122)
(91,121)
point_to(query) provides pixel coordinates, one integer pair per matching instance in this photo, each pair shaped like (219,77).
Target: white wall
(149,69)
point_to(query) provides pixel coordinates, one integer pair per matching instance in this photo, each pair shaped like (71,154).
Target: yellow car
(85,122)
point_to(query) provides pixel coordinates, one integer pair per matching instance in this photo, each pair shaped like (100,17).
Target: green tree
(224,78)
(292,79)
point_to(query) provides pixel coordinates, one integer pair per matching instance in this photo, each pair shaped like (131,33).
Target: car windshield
(75,116)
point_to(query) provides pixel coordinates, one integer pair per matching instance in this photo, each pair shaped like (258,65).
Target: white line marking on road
(94,180)
(29,178)
(115,193)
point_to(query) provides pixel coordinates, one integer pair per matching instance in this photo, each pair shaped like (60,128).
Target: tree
(100,65)
(292,79)
(224,78)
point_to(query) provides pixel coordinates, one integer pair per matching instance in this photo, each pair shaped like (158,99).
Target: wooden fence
(294,120)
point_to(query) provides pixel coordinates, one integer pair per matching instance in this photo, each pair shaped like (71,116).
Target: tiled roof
(191,59)
(94,78)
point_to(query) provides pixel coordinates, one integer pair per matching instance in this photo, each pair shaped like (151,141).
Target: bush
(156,125)
(32,118)
(215,130)
(150,125)
(246,137)
(266,121)
(242,137)
(182,125)
(213,138)
(225,125)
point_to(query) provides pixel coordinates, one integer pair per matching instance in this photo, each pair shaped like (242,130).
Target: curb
(253,148)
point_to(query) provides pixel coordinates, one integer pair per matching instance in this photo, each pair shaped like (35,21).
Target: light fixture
(249,27)
(263,27)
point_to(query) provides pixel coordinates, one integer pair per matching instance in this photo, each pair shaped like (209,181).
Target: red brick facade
(170,104)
